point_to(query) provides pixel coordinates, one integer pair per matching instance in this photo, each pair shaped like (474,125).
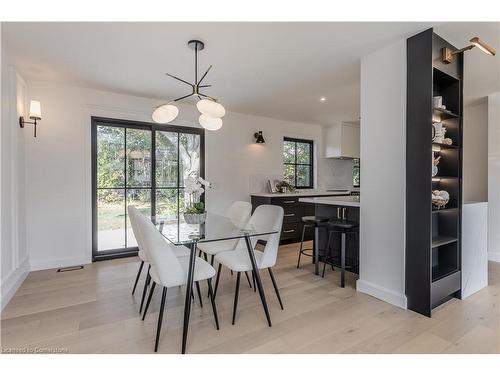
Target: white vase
(195,218)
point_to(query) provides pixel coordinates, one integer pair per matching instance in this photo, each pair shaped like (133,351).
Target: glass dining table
(215,228)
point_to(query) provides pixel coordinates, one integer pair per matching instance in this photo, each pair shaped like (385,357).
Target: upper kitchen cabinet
(342,141)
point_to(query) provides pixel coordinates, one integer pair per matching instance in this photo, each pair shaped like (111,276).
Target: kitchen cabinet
(342,141)
(294,210)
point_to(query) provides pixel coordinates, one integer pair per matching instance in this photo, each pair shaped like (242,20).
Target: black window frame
(131,124)
(295,164)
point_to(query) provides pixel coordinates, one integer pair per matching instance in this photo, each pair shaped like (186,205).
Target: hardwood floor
(92,311)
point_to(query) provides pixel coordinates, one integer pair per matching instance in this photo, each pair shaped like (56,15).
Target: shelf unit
(433,245)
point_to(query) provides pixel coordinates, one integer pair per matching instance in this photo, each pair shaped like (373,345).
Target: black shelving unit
(433,246)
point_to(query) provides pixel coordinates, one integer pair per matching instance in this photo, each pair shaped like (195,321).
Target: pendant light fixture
(211,110)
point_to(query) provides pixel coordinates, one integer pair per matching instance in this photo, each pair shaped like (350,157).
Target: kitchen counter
(304,193)
(349,201)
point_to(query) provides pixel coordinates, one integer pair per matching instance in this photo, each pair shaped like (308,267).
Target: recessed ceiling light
(323,99)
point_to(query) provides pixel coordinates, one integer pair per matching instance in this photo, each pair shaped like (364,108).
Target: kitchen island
(291,231)
(342,208)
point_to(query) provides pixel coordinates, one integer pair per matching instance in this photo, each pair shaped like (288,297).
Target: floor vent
(66,269)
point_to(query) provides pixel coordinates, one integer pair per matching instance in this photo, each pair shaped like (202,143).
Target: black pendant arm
(208,96)
(203,86)
(179,79)
(204,75)
(183,97)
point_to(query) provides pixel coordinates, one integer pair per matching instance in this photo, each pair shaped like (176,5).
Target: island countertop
(303,193)
(350,201)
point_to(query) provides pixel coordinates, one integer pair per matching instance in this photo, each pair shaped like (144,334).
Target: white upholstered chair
(168,270)
(238,213)
(180,251)
(237,260)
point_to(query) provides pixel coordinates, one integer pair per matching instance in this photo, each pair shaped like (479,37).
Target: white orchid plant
(194,187)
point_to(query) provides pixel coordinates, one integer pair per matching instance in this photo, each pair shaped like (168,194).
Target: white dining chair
(180,251)
(239,213)
(169,270)
(237,260)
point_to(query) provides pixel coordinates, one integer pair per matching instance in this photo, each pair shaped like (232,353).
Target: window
(298,162)
(138,164)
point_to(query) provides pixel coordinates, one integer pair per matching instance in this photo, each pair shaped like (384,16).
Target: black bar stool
(343,227)
(310,222)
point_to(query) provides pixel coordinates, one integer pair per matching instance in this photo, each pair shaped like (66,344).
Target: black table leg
(189,291)
(257,278)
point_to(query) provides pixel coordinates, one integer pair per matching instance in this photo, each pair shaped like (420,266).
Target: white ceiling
(276,70)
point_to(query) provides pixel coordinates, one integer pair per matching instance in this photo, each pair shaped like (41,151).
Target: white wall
(475,153)
(494,177)
(58,163)
(14,256)
(383,150)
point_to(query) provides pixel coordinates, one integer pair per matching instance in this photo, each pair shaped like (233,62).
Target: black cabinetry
(292,220)
(433,247)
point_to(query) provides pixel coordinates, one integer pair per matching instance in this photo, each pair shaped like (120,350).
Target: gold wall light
(447,54)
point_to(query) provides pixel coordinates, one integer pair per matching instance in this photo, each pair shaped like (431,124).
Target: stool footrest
(309,252)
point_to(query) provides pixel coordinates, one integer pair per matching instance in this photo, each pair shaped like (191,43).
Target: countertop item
(349,201)
(303,193)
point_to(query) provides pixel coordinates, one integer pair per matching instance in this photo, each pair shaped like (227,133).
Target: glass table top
(215,228)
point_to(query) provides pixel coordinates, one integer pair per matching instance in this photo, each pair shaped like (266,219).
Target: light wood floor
(92,311)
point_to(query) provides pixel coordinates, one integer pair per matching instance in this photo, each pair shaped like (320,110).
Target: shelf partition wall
(433,247)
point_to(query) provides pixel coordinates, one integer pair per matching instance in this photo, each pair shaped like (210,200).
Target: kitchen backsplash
(335,173)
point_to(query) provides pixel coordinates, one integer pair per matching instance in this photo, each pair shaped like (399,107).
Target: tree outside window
(298,162)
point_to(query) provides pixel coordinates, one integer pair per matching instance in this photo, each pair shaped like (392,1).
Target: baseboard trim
(13,281)
(381,293)
(37,265)
(494,256)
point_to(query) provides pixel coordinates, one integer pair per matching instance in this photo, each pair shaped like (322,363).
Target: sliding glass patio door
(138,164)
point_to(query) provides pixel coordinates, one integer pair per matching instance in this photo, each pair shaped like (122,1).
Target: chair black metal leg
(137,277)
(198,290)
(254,285)
(248,279)
(301,245)
(212,258)
(236,292)
(217,280)
(205,257)
(160,317)
(212,299)
(231,272)
(275,287)
(149,300)
(148,278)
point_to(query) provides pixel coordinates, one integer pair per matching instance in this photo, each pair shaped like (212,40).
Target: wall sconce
(35,114)
(258,137)
(447,54)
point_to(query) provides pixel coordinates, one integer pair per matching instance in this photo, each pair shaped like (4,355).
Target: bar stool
(343,227)
(310,222)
